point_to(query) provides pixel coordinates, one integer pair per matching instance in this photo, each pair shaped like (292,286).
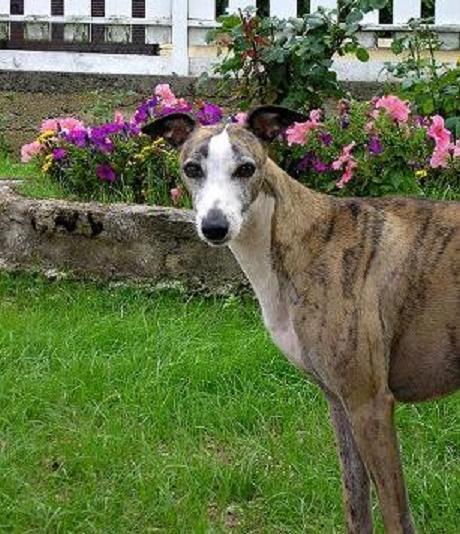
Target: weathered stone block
(111,242)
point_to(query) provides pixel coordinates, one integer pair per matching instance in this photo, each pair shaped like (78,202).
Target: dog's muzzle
(215,227)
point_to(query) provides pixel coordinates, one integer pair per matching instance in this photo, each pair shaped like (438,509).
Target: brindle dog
(361,294)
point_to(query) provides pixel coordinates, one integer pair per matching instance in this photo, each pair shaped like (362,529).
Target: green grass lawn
(11,169)
(128,410)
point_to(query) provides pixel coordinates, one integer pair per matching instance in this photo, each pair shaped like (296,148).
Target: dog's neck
(283,213)
(279,219)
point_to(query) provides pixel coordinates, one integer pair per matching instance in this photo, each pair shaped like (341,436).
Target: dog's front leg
(375,435)
(355,479)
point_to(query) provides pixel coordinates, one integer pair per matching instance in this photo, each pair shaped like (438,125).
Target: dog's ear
(267,122)
(175,128)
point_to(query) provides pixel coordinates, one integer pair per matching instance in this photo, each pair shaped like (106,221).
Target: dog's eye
(245,171)
(193,170)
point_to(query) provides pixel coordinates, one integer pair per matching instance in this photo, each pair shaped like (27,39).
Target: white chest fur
(252,251)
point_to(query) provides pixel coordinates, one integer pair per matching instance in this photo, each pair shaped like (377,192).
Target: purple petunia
(99,136)
(209,114)
(146,111)
(319,165)
(305,162)
(311,160)
(326,138)
(77,137)
(59,154)
(105,173)
(142,114)
(345,122)
(375,145)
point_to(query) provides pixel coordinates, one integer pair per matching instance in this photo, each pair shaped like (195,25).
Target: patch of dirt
(22,113)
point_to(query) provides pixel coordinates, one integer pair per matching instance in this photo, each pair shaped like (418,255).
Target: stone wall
(111,242)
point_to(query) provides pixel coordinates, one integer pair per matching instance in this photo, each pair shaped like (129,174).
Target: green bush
(288,62)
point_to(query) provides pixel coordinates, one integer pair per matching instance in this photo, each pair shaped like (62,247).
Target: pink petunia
(344,157)
(315,115)
(163,91)
(118,118)
(69,124)
(297,134)
(440,158)
(49,125)
(443,145)
(241,118)
(348,173)
(439,132)
(176,195)
(30,151)
(395,107)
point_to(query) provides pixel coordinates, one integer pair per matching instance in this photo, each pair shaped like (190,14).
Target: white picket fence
(178,26)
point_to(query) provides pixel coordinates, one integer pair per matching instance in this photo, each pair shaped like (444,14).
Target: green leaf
(362,54)
(378,4)
(397,47)
(354,16)
(407,84)
(427,105)
(453,124)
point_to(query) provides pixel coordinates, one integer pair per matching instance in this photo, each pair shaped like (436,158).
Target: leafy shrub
(371,149)
(288,61)
(432,87)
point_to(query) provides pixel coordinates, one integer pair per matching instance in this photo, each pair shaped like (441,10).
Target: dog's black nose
(215,226)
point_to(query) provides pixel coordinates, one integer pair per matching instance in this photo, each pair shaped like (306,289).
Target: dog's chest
(282,332)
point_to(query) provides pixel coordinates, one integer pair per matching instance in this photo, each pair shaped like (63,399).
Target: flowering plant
(364,149)
(114,161)
(371,149)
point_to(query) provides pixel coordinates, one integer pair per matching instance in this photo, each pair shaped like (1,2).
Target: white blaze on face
(220,190)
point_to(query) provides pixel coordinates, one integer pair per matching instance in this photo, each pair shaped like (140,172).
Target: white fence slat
(404,10)
(78,8)
(34,61)
(371,18)
(328,4)
(234,5)
(180,37)
(4,7)
(283,9)
(118,8)
(202,9)
(158,8)
(447,12)
(37,7)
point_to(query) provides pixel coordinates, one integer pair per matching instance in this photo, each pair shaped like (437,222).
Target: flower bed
(372,149)
(362,149)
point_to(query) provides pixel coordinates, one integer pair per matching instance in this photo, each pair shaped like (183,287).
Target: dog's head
(223,166)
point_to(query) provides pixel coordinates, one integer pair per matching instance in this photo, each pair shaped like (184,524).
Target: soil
(26,99)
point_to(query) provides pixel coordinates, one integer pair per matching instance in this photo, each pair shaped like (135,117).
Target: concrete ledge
(111,242)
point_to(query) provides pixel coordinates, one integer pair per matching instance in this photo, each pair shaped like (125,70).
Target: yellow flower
(48,163)
(45,136)
(421,174)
